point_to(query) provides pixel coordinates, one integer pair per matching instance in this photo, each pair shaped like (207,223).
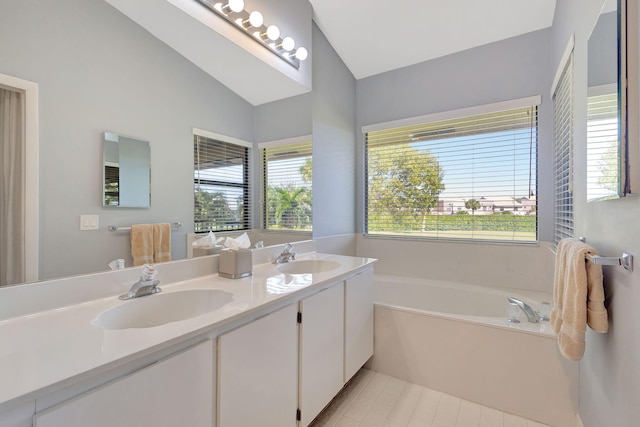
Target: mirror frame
(622,185)
(623,106)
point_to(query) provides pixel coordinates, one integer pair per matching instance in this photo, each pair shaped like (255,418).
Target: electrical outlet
(88,222)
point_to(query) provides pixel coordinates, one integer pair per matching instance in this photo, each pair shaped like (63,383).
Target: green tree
(212,211)
(306,170)
(609,167)
(404,185)
(472,204)
(289,207)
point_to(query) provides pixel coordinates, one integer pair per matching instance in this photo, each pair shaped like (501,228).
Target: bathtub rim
(542,329)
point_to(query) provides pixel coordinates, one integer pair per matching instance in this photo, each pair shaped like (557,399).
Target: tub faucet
(146,285)
(531,314)
(286,255)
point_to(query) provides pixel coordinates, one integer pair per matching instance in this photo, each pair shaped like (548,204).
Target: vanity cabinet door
(358,331)
(321,350)
(177,391)
(258,372)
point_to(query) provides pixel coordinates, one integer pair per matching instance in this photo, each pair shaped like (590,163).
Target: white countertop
(45,351)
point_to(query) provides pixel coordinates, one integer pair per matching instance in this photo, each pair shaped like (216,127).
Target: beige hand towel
(142,244)
(161,242)
(578,297)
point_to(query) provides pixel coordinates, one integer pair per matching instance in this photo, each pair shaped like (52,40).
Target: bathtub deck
(375,399)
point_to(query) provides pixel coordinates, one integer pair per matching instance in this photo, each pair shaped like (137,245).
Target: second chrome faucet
(286,255)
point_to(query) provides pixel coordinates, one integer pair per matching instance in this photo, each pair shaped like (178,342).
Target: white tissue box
(235,263)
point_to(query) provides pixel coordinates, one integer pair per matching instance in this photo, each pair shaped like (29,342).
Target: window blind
(603,155)
(563,153)
(472,178)
(221,184)
(287,172)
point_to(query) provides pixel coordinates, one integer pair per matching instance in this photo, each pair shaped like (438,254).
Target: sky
(498,164)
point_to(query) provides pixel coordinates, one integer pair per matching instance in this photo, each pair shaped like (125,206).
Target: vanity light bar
(252,24)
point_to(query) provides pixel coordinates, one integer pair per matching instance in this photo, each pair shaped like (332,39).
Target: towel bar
(626,260)
(114,228)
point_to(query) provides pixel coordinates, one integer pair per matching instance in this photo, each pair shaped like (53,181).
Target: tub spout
(532,316)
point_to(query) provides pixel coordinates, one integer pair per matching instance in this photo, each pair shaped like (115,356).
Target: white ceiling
(374,36)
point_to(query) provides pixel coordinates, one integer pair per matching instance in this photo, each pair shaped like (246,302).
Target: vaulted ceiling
(371,36)
(374,36)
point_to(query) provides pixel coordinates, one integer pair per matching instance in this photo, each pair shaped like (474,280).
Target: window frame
(532,101)
(247,178)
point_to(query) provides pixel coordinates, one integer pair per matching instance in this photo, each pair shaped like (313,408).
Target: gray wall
(334,150)
(509,69)
(609,375)
(601,54)
(287,118)
(97,71)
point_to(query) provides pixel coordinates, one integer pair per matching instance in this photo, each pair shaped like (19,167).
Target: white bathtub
(455,338)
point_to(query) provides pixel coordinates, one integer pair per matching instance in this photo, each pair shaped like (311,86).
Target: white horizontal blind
(466,178)
(221,184)
(287,172)
(603,154)
(563,153)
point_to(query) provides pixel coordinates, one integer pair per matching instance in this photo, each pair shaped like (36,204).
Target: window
(287,192)
(465,176)
(563,152)
(221,184)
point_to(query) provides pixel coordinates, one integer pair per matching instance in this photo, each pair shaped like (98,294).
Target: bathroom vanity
(270,349)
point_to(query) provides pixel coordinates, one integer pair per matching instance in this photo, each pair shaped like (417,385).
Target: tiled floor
(374,399)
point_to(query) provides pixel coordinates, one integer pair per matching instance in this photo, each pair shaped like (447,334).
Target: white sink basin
(162,308)
(312,266)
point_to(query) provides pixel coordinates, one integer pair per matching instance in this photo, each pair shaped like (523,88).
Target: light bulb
(236,5)
(256,19)
(273,32)
(288,44)
(302,53)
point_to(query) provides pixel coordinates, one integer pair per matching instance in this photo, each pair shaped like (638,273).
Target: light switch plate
(88,222)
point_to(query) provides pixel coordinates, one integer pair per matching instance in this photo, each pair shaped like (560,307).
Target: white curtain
(12,182)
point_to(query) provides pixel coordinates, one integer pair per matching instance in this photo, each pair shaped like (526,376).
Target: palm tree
(290,206)
(472,204)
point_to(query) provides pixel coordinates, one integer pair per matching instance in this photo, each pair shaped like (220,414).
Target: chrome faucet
(145,286)
(286,255)
(532,315)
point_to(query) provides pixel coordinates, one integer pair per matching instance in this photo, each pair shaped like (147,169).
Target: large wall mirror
(127,172)
(607,146)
